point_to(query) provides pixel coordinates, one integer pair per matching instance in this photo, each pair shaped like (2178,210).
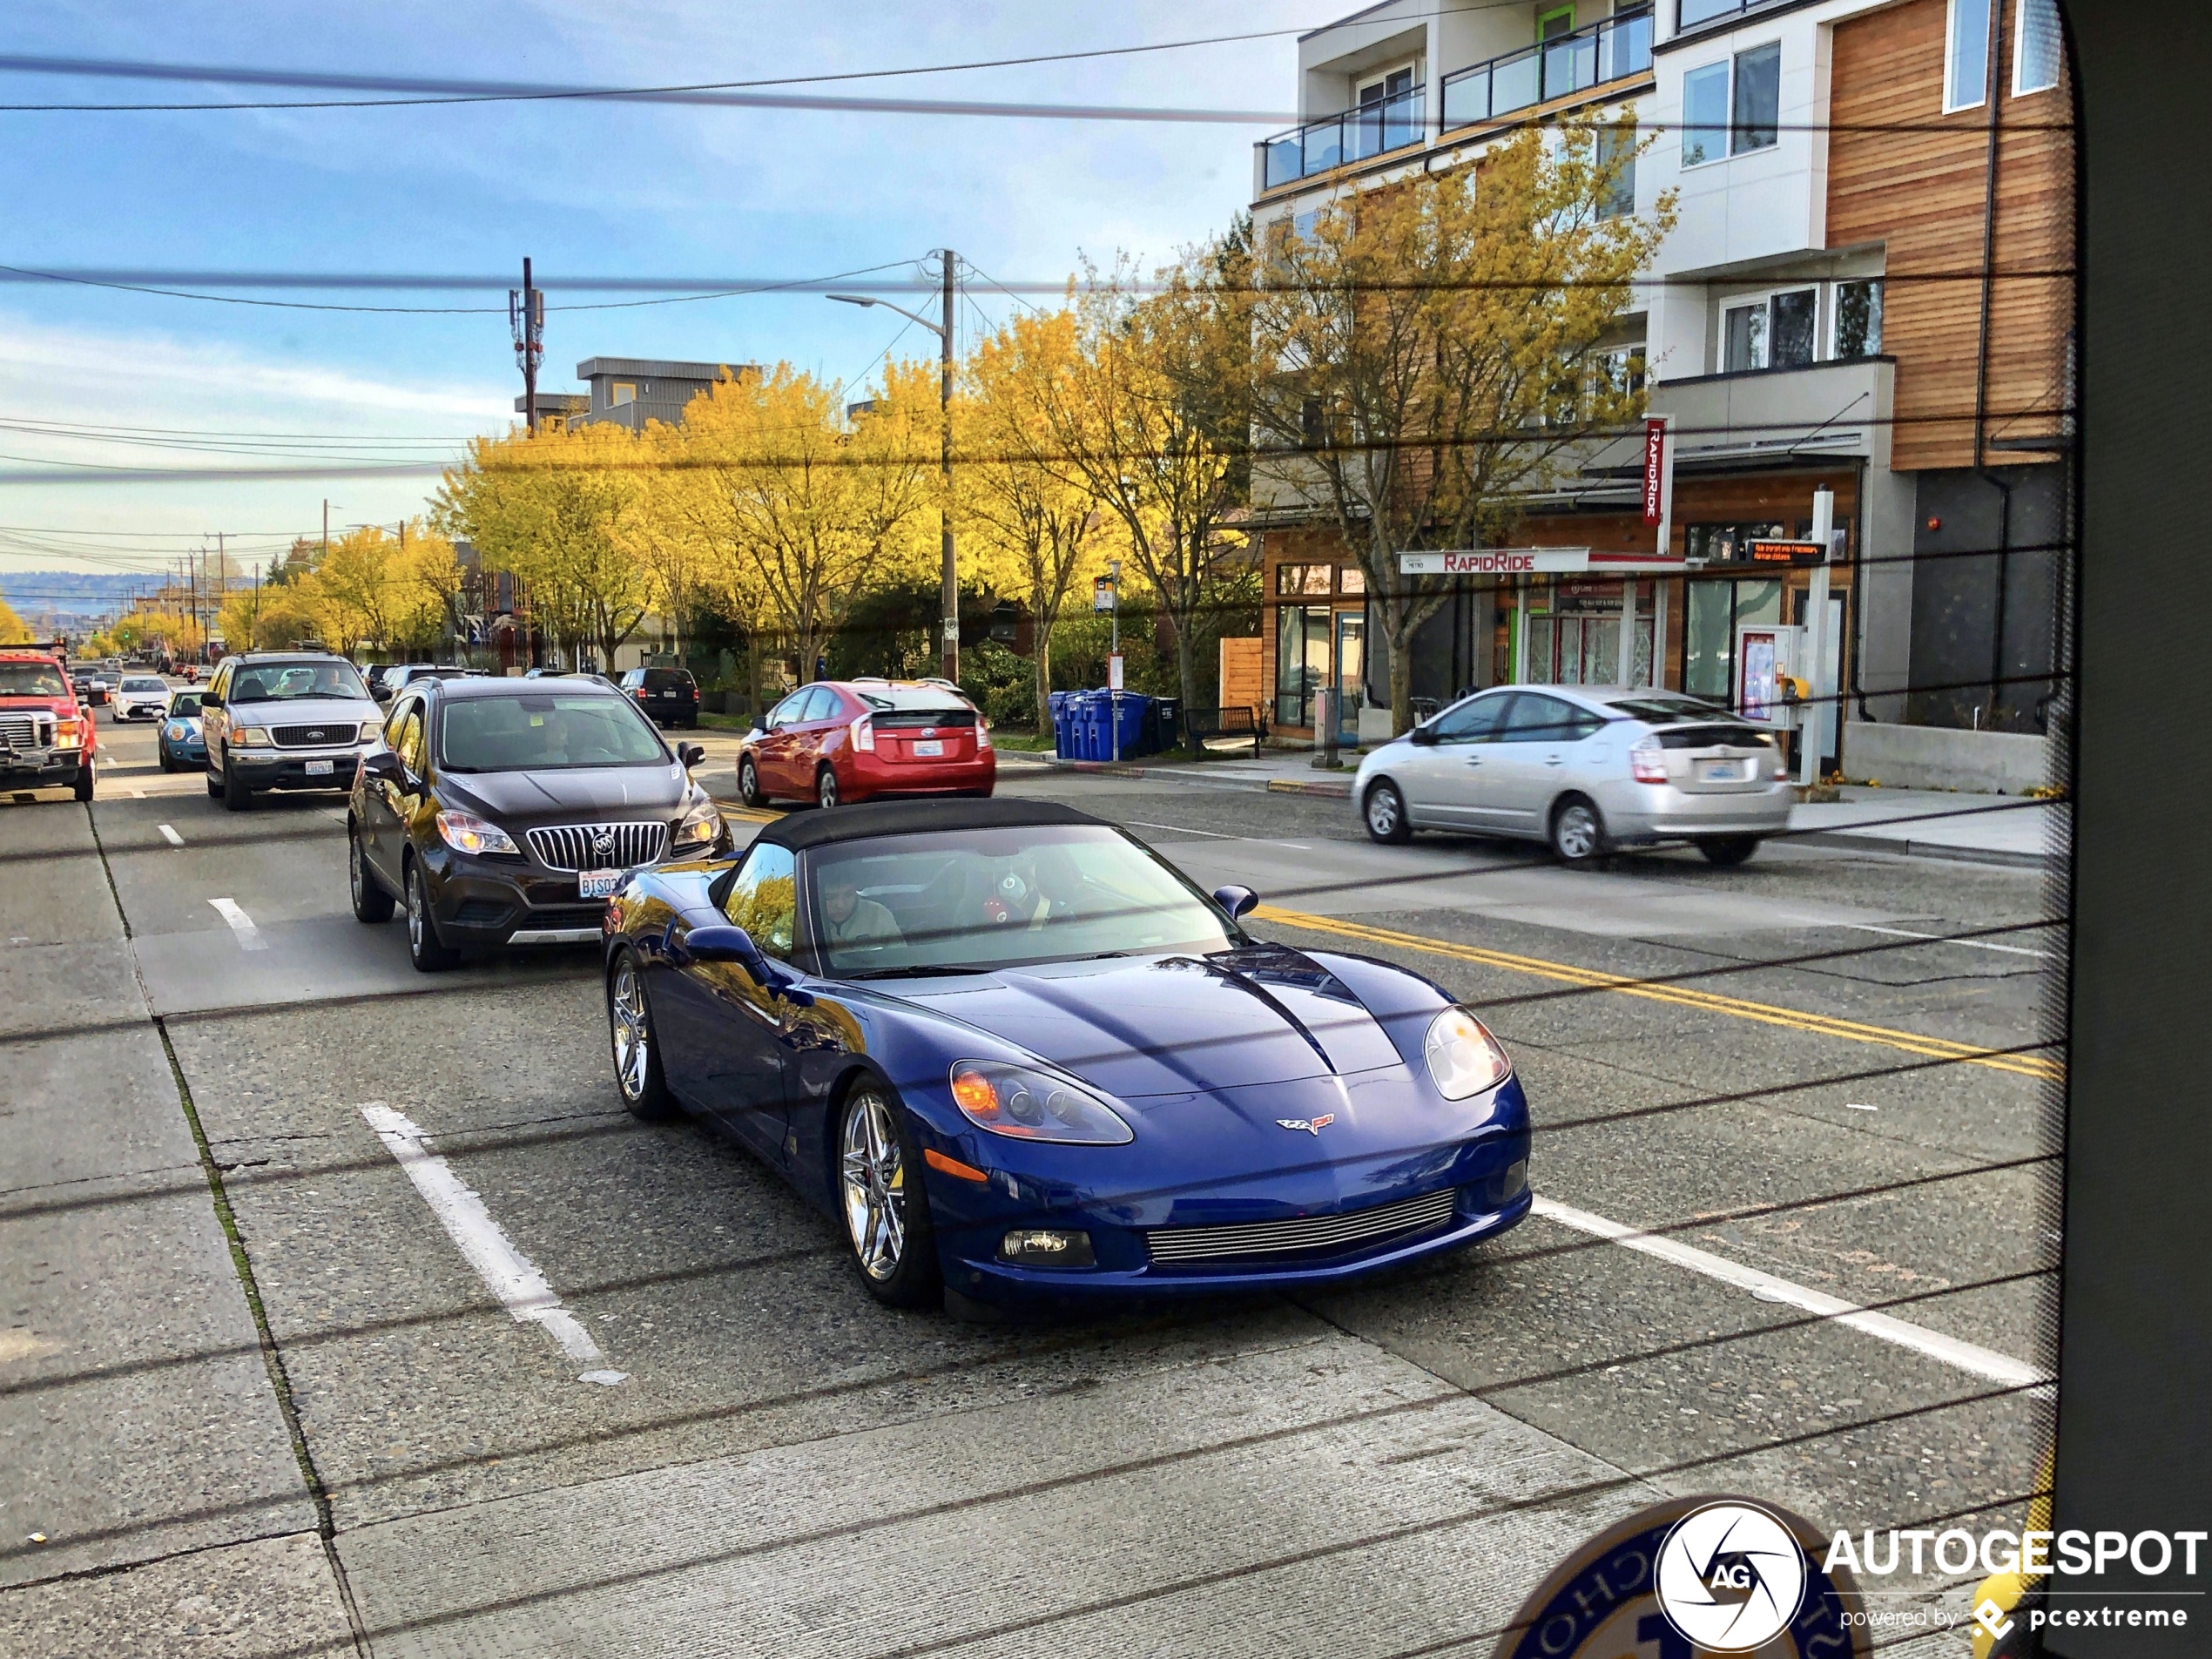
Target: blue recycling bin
(1061,745)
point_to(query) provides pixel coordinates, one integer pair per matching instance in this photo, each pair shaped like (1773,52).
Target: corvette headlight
(1463,1057)
(1030,1105)
(249,737)
(465,833)
(701,827)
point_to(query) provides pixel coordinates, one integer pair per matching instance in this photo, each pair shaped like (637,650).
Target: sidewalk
(1916,823)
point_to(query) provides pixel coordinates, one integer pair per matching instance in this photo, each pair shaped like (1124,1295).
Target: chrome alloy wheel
(415,903)
(632,1034)
(1577,835)
(873,1175)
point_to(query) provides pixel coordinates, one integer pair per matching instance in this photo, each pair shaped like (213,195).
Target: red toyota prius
(848,740)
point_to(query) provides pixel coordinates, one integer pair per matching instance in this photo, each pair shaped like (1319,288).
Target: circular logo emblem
(603,841)
(1731,1577)
(1709,1574)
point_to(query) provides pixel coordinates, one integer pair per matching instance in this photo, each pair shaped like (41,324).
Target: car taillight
(1648,762)
(863,732)
(982,734)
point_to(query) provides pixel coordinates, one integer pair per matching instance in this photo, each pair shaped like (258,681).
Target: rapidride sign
(1496,561)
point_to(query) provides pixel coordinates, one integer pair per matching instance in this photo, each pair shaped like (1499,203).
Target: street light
(950,575)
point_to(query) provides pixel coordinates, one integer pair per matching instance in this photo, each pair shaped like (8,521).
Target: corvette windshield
(994,897)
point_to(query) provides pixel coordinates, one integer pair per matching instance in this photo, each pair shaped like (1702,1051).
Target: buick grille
(598,846)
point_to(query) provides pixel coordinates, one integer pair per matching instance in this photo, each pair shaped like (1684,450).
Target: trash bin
(1132,713)
(1061,745)
(1165,726)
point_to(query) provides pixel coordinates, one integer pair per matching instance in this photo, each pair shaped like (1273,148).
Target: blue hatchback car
(1018,1057)
(181,744)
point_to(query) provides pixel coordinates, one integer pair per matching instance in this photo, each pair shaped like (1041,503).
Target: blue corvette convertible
(1019,1058)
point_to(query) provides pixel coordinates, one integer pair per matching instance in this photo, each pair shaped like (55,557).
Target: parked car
(851,740)
(400,676)
(47,738)
(502,811)
(181,745)
(1585,768)
(669,695)
(285,720)
(141,697)
(375,676)
(1174,1108)
(92,687)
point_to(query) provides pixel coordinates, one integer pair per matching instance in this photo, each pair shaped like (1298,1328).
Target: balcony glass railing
(1357,135)
(1610,51)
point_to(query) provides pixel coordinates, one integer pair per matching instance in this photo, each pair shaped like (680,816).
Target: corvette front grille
(1302,1234)
(577,846)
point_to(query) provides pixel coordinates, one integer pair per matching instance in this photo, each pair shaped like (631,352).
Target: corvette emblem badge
(1310,1125)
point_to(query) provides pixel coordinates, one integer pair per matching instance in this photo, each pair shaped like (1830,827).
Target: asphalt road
(254,1398)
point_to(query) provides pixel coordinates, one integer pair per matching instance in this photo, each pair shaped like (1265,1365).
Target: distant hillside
(69,593)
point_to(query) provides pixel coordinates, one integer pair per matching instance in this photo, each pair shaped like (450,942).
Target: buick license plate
(1721,772)
(929,746)
(597,884)
(319,768)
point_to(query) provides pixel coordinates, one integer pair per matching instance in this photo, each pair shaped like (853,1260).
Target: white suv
(285,720)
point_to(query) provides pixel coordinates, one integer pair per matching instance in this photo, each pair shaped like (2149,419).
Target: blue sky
(651,190)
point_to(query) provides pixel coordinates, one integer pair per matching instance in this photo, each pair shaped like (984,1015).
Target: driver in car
(851,919)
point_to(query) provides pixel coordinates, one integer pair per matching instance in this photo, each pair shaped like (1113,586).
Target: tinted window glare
(530,734)
(1472,721)
(32,679)
(185,703)
(1662,711)
(1704,113)
(666,679)
(763,899)
(292,682)
(1858,319)
(1793,329)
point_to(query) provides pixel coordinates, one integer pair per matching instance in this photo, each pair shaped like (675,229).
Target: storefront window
(1301,660)
(1709,641)
(1301,578)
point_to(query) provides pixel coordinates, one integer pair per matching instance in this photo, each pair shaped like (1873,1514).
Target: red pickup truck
(47,739)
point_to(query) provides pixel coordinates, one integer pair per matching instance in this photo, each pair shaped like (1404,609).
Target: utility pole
(326,527)
(950,576)
(526,321)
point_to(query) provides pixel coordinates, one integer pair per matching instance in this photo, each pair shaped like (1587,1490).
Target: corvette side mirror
(689,755)
(1237,901)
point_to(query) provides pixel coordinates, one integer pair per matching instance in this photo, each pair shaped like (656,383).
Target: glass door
(1352,673)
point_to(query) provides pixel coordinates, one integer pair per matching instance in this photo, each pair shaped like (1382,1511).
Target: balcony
(1611,51)
(1357,135)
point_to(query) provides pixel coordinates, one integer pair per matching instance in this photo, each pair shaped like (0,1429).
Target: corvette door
(730,1042)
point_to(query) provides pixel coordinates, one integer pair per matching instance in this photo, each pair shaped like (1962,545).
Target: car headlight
(1463,1057)
(465,833)
(249,737)
(174,732)
(701,827)
(372,729)
(69,734)
(1030,1105)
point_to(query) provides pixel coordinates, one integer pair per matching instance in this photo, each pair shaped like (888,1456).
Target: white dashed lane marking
(169,835)
(508,1274)
(2000,1368)
(249,936)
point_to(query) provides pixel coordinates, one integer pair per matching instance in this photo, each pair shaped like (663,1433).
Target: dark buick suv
(504,811)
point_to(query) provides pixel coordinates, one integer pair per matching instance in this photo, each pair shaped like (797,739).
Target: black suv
(669,695)
(504,811)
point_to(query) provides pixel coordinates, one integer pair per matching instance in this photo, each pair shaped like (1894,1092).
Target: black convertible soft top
(800,831)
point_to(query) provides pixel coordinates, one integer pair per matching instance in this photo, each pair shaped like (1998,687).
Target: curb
(1845,840)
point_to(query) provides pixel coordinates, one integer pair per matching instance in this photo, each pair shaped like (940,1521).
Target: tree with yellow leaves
(1153,420)
(551,509)
(795,512)
(1430,354)
(12,632)
(1032,528)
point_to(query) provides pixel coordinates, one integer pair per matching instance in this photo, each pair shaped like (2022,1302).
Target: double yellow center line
(1680,995)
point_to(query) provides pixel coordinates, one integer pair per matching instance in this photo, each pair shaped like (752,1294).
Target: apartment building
(1867,290)
(629,391)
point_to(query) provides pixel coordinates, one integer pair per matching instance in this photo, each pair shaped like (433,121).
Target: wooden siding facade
(1921,192)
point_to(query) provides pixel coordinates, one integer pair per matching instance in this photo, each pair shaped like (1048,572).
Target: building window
(1965,60)
(1620,371)
(1732,108)
(1351,580)
(1791,328)
(1858,319)
(2035,46)
(1743,338)
(620,393)
(1704,115)
(1302,579)
(1616,156)
(1758,98)
(1694,12)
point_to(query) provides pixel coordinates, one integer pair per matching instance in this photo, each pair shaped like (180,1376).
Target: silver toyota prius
(1585,768)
